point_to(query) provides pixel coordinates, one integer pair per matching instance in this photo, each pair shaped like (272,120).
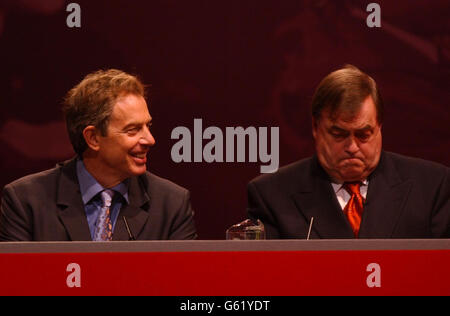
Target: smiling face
(122,152)
(348,145)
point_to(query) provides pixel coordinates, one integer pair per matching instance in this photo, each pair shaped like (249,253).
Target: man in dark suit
(106,192)
(351,188)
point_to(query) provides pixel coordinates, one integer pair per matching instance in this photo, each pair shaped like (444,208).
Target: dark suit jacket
(406,198)
(47,206)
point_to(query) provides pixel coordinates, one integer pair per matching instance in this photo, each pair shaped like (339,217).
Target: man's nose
(351,145)
(147,138)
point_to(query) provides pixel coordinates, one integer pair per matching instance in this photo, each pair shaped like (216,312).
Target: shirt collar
(89,187)
(338,186)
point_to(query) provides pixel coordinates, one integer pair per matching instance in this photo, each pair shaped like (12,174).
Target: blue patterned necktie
(103,230)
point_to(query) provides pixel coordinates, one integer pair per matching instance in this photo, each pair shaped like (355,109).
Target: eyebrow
(137,124)
(364,129)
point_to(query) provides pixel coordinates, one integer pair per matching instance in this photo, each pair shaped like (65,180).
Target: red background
(231,63)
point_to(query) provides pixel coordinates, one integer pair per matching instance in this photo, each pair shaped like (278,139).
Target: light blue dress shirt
(90,189)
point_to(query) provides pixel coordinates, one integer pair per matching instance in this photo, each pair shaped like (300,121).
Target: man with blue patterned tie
(105,192)
(103,229)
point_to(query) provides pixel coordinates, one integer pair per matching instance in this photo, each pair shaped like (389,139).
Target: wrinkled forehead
(362,114)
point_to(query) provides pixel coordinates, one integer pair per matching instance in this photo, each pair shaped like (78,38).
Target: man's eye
(132,131)
(363,136)
(338,135)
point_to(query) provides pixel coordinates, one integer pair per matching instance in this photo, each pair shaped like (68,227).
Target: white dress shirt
(343,196)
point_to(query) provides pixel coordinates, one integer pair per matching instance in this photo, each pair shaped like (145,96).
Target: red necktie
(354,208)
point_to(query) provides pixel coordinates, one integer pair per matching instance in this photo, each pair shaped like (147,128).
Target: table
(227,268)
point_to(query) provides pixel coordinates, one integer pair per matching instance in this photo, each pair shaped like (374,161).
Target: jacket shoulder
(411,167)
(36,179)
(287,176)
(161,185)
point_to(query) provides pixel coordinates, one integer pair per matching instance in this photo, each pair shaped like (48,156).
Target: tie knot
(107,196)
(352,187)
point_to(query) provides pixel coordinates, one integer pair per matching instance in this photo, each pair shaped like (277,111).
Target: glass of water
(246,230)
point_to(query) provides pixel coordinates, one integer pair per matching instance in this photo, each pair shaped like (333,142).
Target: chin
(352,175)
(353,179)
(137,170)
(140,171)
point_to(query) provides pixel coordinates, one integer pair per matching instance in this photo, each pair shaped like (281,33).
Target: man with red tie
(352,188)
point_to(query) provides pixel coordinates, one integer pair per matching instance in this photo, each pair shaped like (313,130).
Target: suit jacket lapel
(385,201)
(135,212)
(72,213)
(316,198)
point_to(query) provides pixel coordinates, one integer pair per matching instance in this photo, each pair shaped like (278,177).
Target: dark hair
(91,102)
(345,90)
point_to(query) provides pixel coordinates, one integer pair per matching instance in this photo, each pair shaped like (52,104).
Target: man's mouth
(140,155)
(352,161)
(140,158)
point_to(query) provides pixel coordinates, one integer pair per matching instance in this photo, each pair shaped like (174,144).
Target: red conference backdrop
(229,63)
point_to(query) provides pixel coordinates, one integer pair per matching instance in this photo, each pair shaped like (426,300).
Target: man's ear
(314,127)
(91,137)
